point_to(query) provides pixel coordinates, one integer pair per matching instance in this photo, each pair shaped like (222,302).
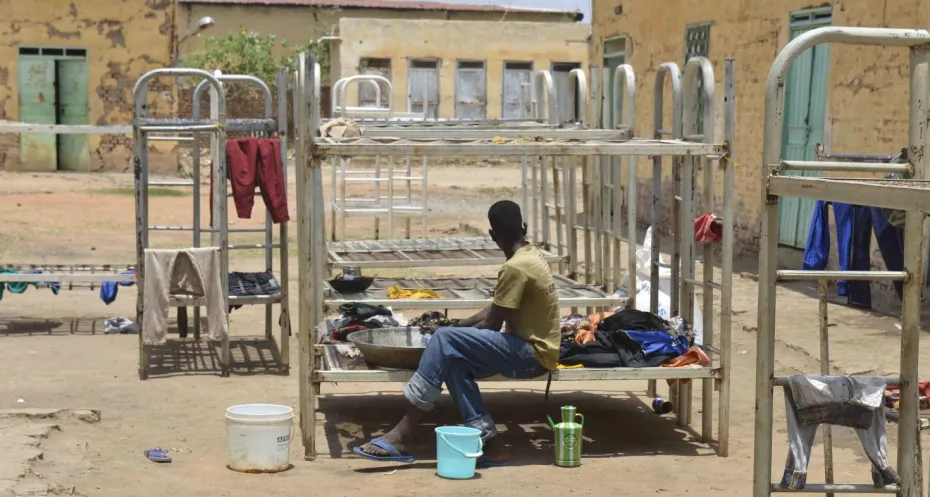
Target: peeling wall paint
(492,42)
(123,40)
(300,24)
(867,91)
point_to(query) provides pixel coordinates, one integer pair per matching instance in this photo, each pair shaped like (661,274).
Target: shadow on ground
(178,357)
(250,356)
(617,424)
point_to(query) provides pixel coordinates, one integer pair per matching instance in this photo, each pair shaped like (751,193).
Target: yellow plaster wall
(123,40)
(867,93)
(491,42)
(300,24)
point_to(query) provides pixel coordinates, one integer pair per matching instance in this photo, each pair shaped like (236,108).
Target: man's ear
(524,229)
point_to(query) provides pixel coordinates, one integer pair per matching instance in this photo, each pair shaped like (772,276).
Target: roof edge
(575,15)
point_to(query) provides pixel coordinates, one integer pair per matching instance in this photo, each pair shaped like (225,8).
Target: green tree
(247,52)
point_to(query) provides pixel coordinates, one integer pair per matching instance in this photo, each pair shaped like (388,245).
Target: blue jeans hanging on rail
(890,243)
(817,249)
(854,225)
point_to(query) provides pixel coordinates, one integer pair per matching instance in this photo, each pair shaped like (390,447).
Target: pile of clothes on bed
(627,338)
(358,316)
(361,316)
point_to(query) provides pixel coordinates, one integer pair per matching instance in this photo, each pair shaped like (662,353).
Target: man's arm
(472,322)
(507,297)
(495,318)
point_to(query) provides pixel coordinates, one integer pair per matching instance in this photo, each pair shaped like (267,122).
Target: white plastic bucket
(259,437)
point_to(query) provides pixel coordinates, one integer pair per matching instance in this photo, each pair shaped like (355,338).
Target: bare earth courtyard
(75,419)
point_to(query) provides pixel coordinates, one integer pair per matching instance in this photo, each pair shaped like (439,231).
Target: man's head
(507,226)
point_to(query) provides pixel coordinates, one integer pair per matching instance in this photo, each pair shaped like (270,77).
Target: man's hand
(472,321)
(495,318)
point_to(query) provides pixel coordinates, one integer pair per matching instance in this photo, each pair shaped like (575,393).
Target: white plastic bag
(643,288)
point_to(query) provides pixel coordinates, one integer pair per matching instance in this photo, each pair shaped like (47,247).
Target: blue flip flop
(394,454)
(485,462)
(157,455)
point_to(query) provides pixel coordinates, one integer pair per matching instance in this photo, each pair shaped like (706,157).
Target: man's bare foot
(496,451)
(390,437)
(397,436)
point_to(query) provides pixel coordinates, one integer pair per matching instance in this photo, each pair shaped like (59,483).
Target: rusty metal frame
(311,237)
(912,195)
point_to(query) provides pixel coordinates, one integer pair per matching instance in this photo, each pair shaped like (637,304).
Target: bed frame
(911,194)
(566,149)
(218,126)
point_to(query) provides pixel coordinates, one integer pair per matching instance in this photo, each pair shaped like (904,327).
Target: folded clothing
(609,349)
(362,311)
(633,319)
(396,292)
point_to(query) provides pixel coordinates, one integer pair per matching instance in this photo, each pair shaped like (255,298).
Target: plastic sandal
(394,455)
(157,455)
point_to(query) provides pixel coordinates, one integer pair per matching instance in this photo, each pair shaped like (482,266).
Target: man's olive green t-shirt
(525,286)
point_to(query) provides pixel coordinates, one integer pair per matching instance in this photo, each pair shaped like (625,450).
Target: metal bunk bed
(389,205)
(218,125)
(472,293)
(417,252)
(911,195)
(602,231)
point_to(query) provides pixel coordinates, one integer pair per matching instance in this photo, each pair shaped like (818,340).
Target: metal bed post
(269,245)
(307,123)
(671,70)
(624,92)
(283,236)
(728,163)
(340,108)
(698,85)
(695,68)
(142,125)
(606,187)
(545,86)
(578,84)
(911,195)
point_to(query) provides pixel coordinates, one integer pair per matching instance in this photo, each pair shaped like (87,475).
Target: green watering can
(568,438)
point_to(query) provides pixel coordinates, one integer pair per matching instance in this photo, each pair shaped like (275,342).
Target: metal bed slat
(581,374)
(512,147)
(458,252)
(466,292)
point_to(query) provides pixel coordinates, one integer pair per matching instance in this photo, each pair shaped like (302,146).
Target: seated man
(525,298)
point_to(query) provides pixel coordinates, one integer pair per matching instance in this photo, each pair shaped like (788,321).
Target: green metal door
(805,116)
(73,108)
(610,65)
(37,105)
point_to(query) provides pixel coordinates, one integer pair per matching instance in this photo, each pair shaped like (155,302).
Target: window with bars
(697,44)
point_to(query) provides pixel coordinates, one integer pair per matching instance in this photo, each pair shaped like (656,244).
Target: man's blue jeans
(460,356)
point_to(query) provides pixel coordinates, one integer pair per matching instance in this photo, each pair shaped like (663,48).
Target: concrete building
(66,62)
(299,21)
(435,43)
(850,98)
(465,69)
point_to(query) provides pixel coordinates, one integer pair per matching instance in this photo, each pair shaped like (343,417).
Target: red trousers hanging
(252,162)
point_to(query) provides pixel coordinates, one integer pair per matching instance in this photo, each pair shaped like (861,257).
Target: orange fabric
(584,336)
(693,357)
(596,318)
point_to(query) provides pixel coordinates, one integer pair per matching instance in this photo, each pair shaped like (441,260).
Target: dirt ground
(53,355)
